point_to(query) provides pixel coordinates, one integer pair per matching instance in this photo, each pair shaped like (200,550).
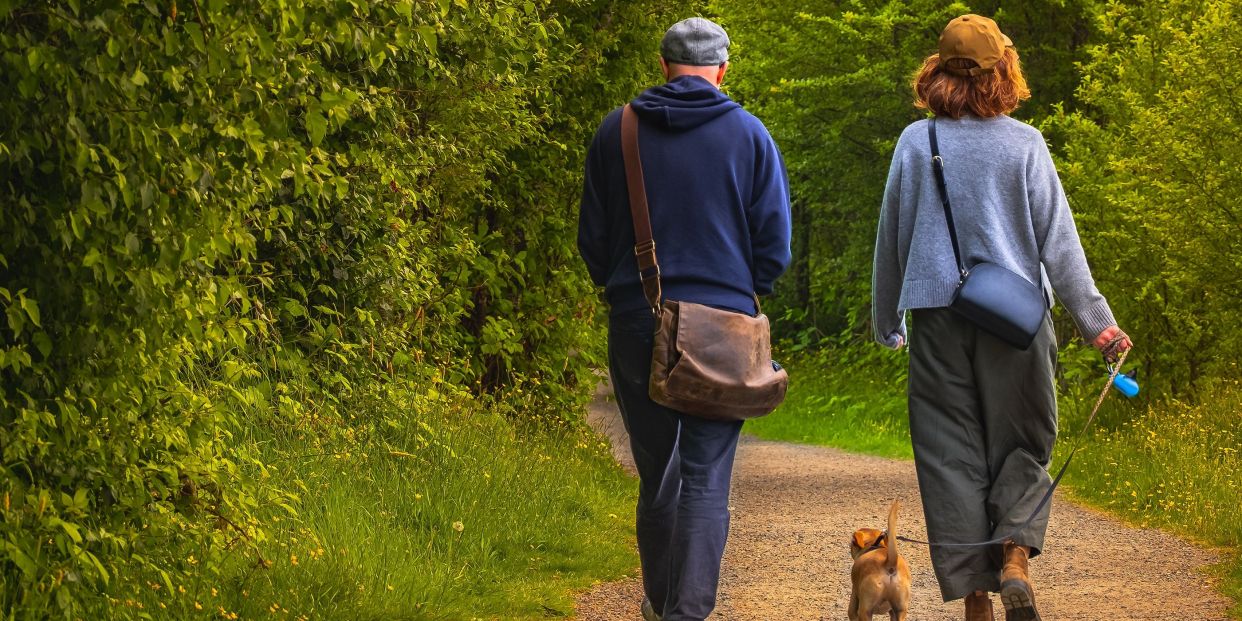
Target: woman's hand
(895,341)
(1111,343)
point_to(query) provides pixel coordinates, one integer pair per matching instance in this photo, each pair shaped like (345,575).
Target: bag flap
(734,344)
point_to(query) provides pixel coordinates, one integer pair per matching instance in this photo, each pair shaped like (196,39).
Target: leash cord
(1116,368)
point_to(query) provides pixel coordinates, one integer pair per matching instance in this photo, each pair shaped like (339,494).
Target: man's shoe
(1016,592)
(979,607)
(649,613)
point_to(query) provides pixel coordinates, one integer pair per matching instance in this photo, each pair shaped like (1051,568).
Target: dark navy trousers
(685,465)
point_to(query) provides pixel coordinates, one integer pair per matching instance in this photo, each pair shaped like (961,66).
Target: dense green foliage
(1153,165)
(238,227)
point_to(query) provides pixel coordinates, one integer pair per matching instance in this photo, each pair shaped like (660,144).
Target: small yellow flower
(198,606)
(458,526)
(293,559)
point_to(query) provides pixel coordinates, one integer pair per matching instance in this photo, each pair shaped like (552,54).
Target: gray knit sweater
(1009,209)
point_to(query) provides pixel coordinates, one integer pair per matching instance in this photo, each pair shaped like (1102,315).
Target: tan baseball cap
(975,37)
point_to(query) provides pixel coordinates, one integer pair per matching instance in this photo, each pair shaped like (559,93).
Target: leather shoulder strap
(644,246)
(938,167)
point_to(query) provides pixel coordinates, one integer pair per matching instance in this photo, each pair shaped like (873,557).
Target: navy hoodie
(716,190)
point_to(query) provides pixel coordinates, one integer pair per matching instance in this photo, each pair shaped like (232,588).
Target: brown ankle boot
(1016,592)
(979,607)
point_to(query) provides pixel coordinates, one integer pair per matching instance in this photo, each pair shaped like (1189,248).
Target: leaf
(295,308)
(138,78)
(17,321)
(316,126)
(428,35)
(103,573)
(43,343)
(32,309)
(22,560)
(71,529)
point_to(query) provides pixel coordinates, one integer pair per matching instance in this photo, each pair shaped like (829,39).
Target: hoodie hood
(684,103)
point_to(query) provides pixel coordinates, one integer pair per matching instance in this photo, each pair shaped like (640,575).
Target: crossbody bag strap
(644,244)
(938,166)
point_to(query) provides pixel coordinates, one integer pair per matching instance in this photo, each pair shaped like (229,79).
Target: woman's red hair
(947,94)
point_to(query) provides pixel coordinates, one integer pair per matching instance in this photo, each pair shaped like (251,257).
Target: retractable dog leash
(1114,369)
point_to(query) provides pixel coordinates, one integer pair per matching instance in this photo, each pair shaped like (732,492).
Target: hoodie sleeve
(769,218)
(887,321)
(592,215)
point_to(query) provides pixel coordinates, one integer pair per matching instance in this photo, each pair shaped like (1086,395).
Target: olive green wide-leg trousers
(983,420)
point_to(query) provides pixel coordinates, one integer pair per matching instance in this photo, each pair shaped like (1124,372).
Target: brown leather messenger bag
(706,362)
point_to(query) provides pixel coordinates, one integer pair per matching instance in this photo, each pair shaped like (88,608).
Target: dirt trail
(794,508)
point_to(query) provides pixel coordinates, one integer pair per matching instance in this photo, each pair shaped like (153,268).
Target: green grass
(858,409)
(459,516)
(1162,463)
(440,510)
(1172,465)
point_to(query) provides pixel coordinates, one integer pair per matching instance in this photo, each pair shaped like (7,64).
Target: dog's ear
(859,541)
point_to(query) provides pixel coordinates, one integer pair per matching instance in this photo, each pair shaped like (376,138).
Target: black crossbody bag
(995,299)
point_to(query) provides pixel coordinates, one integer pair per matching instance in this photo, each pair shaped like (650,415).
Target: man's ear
(720,73)
(664,68)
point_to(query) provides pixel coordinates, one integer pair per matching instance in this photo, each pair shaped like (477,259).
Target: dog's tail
(890,560)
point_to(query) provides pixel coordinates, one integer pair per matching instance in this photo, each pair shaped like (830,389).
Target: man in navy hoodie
(719,203)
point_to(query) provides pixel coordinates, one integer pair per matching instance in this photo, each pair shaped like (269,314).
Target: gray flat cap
(695,41)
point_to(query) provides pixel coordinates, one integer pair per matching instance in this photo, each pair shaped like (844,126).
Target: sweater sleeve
(592,215)
(1060,249)
(769,218)
(886,275)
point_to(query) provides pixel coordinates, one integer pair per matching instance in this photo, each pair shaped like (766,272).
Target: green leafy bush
(221,216)
(1153,169)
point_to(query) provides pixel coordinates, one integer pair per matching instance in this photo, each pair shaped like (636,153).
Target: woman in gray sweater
(983,414)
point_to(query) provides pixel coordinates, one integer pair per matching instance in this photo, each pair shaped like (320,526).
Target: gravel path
(794,508)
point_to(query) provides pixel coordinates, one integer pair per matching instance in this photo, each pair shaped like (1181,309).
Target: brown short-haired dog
(880,577)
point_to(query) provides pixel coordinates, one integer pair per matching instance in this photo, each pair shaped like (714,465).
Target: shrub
(1152,174)
(230,214)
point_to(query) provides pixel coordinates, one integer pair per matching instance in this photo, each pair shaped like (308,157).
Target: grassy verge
(441,510)
(1157,463)
(466,516)
(859,405)
(1172,465)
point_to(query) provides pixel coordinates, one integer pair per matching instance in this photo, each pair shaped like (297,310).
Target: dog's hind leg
(896,615)
(853,611)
